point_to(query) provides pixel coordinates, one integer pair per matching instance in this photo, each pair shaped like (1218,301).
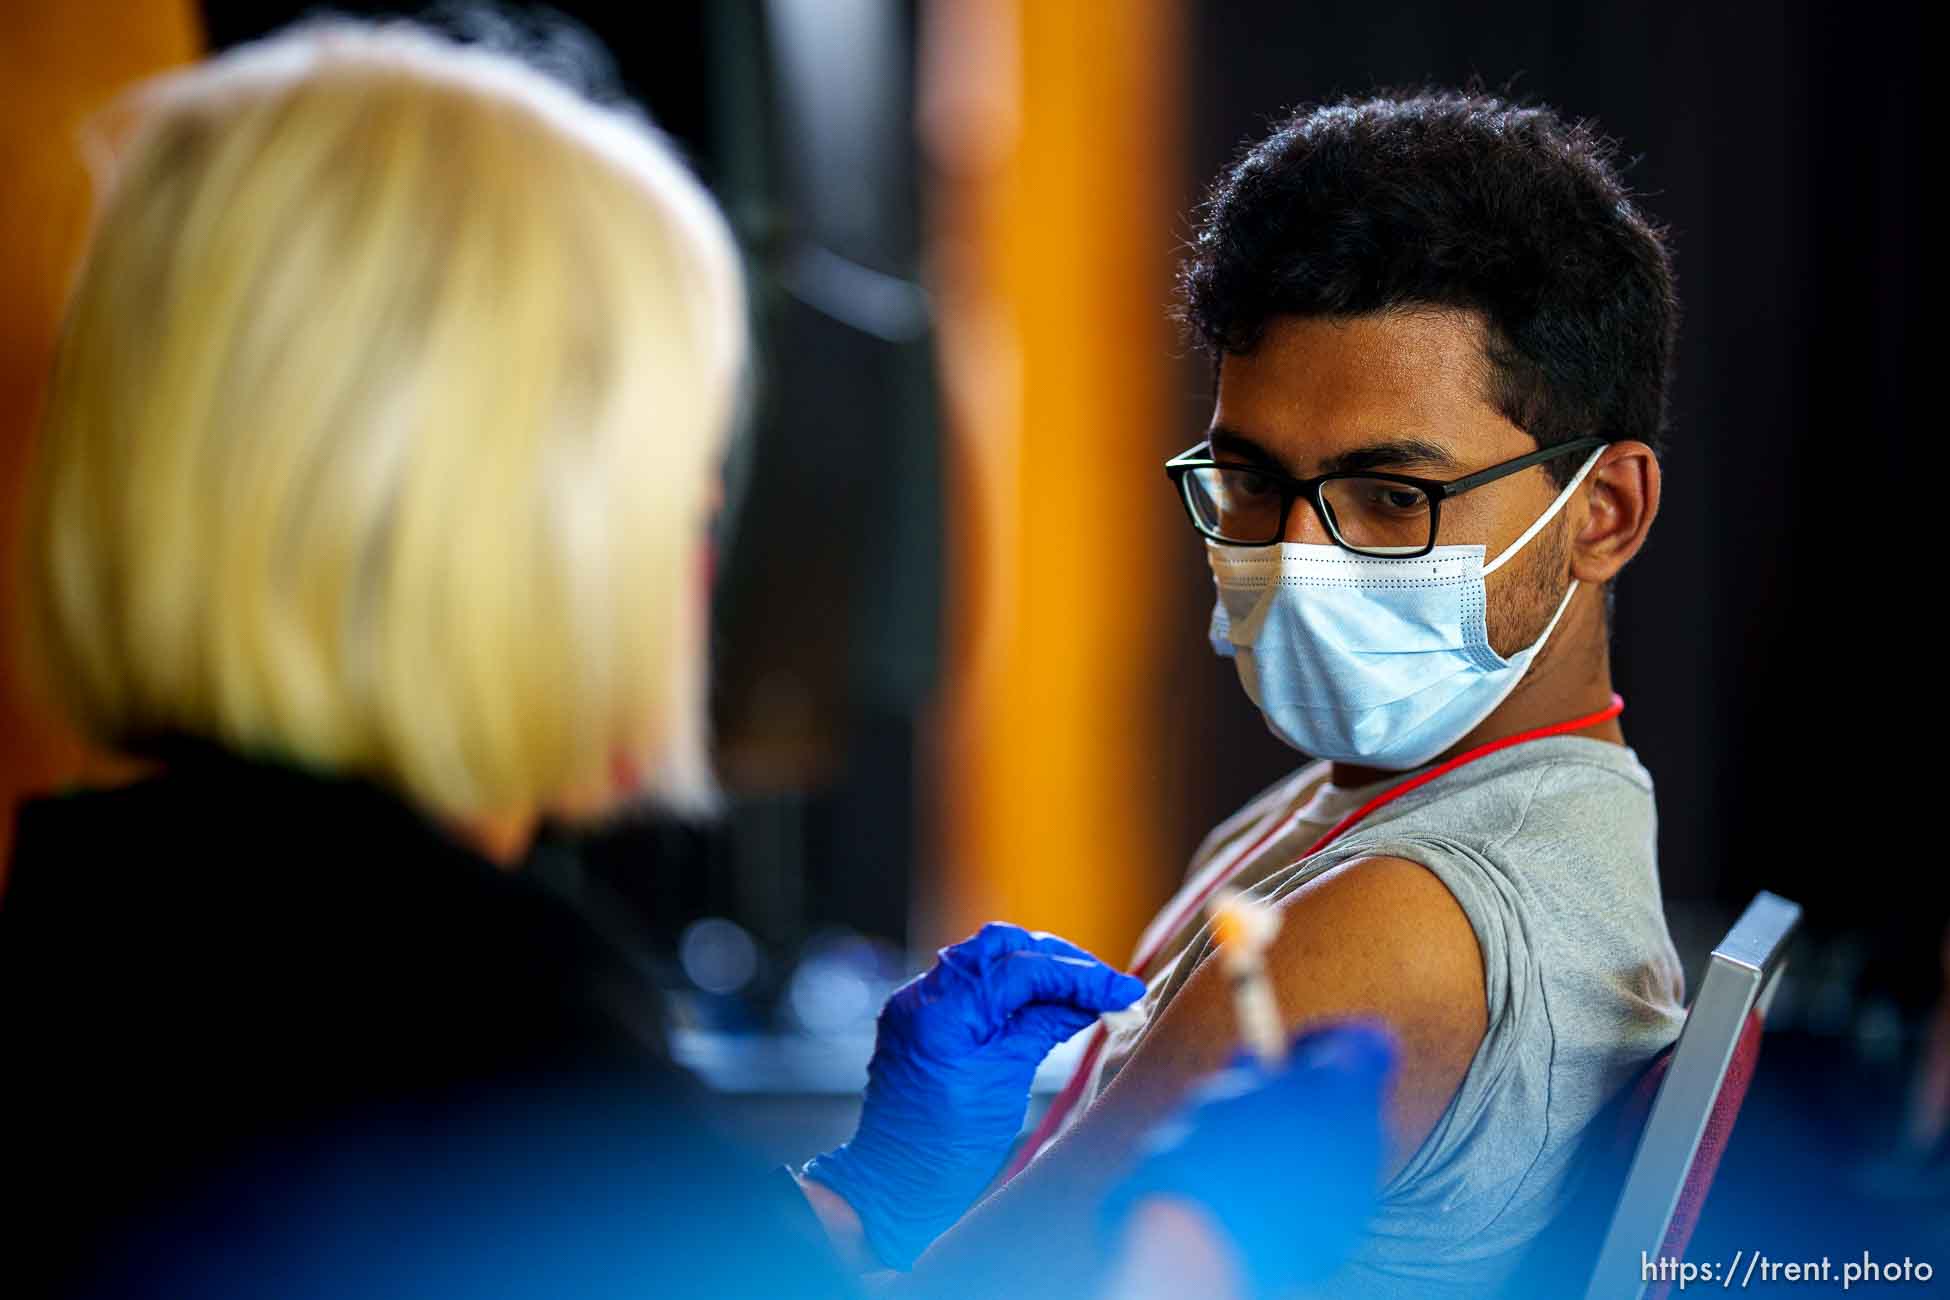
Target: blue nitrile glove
(949,1081)
(1286,1161)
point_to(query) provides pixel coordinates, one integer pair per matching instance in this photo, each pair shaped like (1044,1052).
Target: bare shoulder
(1377,938)
(1380,929)
(1384,938)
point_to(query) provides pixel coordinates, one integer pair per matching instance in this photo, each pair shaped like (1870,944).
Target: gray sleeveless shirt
(1549,847)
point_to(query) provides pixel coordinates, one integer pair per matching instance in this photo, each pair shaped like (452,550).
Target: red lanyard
(1214,879)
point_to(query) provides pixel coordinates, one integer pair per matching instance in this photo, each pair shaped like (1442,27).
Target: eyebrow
(1386,454)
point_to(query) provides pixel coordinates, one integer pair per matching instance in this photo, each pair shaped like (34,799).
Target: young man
(1441,333)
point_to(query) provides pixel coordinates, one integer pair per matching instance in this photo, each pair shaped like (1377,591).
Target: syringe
(1244,928)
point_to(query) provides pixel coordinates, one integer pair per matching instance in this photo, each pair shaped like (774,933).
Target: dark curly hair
(1451,200)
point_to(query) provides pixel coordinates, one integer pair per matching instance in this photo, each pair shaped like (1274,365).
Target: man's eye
(1250,486)
(1393,498)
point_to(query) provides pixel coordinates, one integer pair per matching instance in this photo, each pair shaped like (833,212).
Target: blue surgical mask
(1381,662)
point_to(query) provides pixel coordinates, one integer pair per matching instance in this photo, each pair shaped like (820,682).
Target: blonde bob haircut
(382,429)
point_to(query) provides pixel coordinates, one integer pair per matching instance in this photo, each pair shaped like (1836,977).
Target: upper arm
(1376,938)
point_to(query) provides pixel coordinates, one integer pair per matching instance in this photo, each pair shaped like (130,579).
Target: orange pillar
(59,60)
(1052,129)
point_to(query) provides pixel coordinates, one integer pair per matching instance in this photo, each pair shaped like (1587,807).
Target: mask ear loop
(1551,626)
(1547,516)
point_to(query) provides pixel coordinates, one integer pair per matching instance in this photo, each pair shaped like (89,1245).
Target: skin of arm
(1380,938)
(1172,1249)
(841,1223)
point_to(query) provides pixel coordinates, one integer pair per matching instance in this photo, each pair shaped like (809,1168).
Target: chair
(1696,1102)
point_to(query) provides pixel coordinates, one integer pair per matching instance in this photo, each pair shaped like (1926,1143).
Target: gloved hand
(949,1081)
(1286,1161)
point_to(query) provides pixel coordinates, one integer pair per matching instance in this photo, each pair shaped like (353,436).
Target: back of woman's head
(382,427)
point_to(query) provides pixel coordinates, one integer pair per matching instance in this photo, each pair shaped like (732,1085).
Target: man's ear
(1619,499)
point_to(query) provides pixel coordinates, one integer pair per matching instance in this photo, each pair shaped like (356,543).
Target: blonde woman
(373,485)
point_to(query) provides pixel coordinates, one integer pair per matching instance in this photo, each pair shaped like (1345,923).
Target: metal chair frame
(1741,977)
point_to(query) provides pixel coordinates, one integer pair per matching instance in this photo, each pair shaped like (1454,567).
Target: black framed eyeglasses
(1395,516)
